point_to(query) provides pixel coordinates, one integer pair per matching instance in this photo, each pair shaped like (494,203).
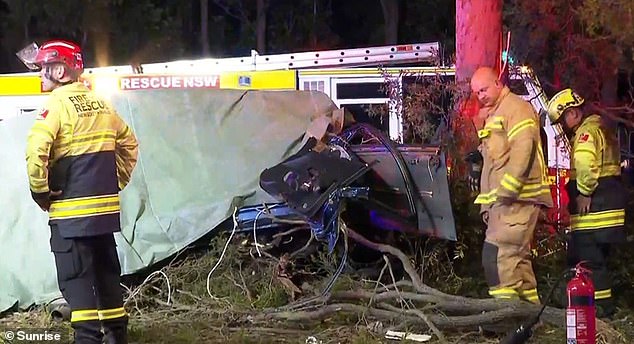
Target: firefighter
(79,155)
(597,200)
(513,187)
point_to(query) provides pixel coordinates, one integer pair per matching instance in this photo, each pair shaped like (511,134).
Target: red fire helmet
(54,51)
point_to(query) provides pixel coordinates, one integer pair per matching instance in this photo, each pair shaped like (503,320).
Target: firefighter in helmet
(514,187)
(79,155)
(597,201)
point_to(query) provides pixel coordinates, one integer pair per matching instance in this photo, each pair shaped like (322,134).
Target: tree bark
(609,88)
(261,26)
(97,25)
(478,34)
(391,16)
(204,27)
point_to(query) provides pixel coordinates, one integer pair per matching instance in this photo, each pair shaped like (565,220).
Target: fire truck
(350,77)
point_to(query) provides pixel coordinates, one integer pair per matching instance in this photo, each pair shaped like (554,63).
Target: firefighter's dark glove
(474,161)
(43,199)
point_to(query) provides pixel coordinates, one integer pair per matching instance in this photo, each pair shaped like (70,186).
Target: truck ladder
(357,57)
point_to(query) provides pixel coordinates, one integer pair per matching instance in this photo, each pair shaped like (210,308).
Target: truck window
(314,85)
(410,80)
(443,90)
(361,90)
(373,114)
(438,87)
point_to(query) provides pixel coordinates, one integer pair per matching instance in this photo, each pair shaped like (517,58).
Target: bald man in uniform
(513,187)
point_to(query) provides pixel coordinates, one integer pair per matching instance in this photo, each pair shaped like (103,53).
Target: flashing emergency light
(505,55)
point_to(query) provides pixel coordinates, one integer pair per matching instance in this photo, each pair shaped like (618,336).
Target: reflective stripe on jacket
(514,165)
(79,145)
(596,173)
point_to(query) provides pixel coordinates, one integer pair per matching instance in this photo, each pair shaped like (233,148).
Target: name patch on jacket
(87,107)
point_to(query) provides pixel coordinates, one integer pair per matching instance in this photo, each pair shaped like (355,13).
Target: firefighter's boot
(116,331)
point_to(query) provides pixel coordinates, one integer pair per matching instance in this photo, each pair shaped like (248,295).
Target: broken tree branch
(414,302)
(409,268)
(378,281)
(290,231)
(303,248)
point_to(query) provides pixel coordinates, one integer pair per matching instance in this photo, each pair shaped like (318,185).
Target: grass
(199,329)
(244,284)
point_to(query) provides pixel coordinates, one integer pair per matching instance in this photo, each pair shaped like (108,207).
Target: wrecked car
(357,173)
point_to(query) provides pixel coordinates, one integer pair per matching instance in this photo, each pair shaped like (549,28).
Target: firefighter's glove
(43,199)
(474,161)
(583,204)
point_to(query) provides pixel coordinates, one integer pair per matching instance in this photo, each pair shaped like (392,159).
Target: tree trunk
(478,33)
(204,27)
(97,25)
(188,16)
(609,87)
(390,14)
(25,20)
(261,26)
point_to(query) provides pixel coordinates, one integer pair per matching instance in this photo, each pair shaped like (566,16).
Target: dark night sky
(347,27)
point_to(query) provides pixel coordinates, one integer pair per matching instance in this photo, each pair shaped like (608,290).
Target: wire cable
(224,250)
(147,279)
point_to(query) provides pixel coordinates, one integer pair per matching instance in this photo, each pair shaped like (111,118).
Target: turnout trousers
(506,256)
(88,275)
(594,236)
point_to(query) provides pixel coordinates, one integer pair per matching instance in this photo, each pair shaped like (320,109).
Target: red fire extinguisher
(580,314)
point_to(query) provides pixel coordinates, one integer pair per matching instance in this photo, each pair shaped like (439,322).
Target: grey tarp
(200,154)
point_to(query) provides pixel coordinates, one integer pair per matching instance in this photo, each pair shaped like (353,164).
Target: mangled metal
(381,185)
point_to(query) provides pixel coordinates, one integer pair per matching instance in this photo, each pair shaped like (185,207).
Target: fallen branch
(445,311)
(409,268)
(326,311)
(441,321)
(303,248)
(197,298)
(290,231)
